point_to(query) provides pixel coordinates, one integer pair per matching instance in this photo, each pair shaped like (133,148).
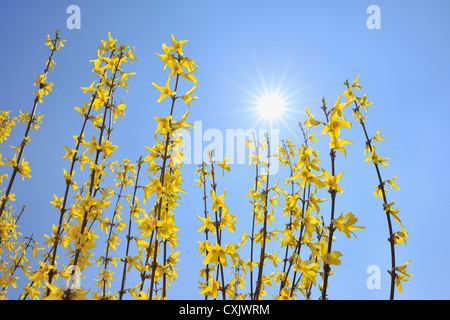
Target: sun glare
(271,106)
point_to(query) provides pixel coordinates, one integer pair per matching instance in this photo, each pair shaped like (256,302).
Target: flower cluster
(9,241)
(263,197)
(125,175)
(113,204)
(398,274)
(73,231)
(304,228)
(216,252)
(158,232)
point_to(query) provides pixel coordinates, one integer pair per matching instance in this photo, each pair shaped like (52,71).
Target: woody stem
(388,212)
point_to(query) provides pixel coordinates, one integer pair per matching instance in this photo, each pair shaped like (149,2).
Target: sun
(271,106)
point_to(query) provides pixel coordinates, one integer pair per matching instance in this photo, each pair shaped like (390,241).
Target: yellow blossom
(331,181)
(165,91)
(218,201)
(345,223)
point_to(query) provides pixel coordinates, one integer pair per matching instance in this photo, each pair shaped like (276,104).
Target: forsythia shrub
(107,203)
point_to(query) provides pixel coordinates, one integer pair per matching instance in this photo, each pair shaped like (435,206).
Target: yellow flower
(68,177)
(12,162)
(57,203)
(3,176)
(107,147)
(345,223)
(399,278)
(310,222)
(377,137)
(112,63)
(400,236)
(218,201)
(363,102)
(228,220)
(224,165)
(90,88)
(84,245)
(305,174)
(49,41)
(98,168)
(215,254)
(332,258)
(177,68)
(166,57)
(57,293)
(187,97)
(69,153)
(96,120)
(207,224)
(307,268)
(177,45)
(38,95)
(189,76)
(331,181)
(338,107)
(92,144)
(124,78)
(172,259)
(40,79)
(24,169)
(130,55)
(336,143)
(312,138)
(376,159)
(61,44)
(133,261)
(313,200)
(349,93)
(392,183)
(181,124)
(11,197)
(163,124)
(355,83)
(335,124)
(108,45)
(41,273)
(311,121)
(212,289)
(84,159)
(188,63)
(165,91)
(379,191)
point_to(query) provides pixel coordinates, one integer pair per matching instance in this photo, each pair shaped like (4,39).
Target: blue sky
(304,49)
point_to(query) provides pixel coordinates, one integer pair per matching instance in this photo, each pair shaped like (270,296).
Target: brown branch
(27,130)
(124,275)
(331,228)
(388,212)
(263,247)
(92,177)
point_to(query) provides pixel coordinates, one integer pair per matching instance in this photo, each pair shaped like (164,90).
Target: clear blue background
(306,50)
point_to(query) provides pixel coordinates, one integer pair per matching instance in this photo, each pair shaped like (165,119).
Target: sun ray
(271,97)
